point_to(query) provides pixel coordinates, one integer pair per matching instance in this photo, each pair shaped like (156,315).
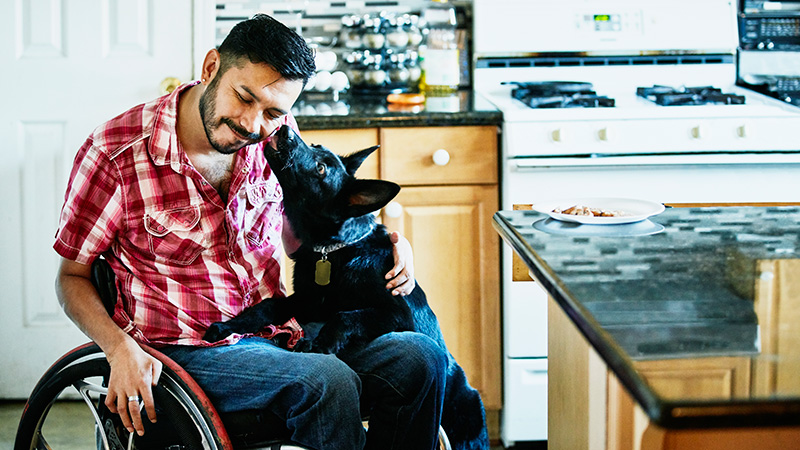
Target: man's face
(245,105)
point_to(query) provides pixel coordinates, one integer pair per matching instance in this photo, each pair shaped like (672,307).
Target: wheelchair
(186,418)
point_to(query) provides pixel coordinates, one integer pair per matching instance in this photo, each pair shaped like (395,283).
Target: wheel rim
(87,376)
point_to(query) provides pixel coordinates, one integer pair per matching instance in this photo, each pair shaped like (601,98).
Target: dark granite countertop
(315,111)
(695,289)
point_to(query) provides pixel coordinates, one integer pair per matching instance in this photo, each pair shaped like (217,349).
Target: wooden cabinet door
(456,262)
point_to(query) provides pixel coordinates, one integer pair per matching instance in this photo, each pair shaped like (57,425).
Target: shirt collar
(164,148)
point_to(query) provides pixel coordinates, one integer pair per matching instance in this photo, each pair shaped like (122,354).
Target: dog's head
(319,182)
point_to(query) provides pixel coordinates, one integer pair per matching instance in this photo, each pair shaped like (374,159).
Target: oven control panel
(609,22)
(619,27)
(770,32)
(769,25)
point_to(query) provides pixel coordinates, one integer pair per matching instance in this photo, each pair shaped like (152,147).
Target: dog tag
(322,273)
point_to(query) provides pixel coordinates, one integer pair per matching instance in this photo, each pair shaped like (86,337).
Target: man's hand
(401,277)
(133,374)
(133,371)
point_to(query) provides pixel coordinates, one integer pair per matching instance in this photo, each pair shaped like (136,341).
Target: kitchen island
(682,331)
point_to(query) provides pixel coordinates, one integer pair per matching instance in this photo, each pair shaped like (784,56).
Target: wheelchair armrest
(102,277)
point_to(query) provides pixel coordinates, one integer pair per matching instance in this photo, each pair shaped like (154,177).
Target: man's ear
(366,196)
(353,161)
(211,65)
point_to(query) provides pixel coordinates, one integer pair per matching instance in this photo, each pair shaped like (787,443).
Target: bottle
(441,71)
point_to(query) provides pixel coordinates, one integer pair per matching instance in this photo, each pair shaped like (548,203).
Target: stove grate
(698,95)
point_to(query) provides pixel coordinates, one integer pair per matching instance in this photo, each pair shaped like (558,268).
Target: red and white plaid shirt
(182,258)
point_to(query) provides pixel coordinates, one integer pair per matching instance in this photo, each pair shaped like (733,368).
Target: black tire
(182,423)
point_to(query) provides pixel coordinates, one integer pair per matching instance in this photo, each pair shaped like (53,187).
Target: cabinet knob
(393,210)
(604,134)
(698,131)
(557,135)
(441,157)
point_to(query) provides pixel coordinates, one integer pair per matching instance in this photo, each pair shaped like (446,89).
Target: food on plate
(580,210)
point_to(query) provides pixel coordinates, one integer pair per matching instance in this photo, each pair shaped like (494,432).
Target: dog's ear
(353,161)
(366,196)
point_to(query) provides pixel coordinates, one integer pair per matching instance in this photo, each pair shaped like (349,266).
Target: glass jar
(374,74)
(373,37)
(398,73)
(441,71)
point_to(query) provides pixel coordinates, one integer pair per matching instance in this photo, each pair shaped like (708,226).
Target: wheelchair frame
(192,421)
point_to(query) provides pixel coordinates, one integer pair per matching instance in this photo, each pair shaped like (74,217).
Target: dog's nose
(285,133)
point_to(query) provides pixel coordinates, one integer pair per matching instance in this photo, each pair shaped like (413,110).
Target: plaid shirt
(183,259)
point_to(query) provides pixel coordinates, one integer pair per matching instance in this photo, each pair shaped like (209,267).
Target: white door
(67,66)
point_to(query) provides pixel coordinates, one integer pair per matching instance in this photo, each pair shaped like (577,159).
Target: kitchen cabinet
(776,294)
(449,193)
(590,409)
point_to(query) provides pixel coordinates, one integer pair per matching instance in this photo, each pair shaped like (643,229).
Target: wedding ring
(133,398)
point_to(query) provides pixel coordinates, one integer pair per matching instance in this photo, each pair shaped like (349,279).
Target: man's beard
(211,123)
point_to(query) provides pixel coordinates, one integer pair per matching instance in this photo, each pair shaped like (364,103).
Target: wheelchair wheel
(183,422)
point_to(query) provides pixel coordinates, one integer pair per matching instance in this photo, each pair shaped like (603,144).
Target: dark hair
(262,39)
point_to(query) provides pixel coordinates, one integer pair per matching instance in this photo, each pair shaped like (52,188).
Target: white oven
(740,147)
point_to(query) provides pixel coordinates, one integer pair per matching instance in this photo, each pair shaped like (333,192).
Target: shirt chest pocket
(175,235)
(263,208)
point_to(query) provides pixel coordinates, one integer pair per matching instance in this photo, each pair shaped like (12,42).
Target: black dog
(338,276)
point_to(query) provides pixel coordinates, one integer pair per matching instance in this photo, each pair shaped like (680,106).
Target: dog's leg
(251,320)
(358,327)
(463,414)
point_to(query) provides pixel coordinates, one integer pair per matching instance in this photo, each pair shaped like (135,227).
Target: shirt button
(244,170)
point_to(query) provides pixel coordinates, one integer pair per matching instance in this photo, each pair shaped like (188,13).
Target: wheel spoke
(40,442)
(84,388)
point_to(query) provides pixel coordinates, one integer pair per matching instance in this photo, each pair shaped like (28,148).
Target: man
(177,195)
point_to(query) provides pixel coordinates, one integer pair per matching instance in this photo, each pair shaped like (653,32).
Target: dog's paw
(217,332)
(328,347)
(304,345)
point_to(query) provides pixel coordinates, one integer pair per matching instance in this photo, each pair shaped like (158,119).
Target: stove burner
(559,94)
(700,95)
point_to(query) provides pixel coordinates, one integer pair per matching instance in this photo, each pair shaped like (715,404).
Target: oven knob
(604,134)
(558,135)
(441,157)
(743,131)
(698,131)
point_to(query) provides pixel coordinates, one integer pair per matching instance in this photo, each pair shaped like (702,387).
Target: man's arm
(133,371)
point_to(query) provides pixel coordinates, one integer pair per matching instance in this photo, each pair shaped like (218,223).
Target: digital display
(605,23)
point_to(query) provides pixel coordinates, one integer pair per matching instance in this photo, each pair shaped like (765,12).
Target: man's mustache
(254,137)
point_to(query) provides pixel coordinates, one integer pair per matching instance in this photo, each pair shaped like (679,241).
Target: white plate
(635,210)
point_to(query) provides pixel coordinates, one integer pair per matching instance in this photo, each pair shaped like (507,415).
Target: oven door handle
(527,164)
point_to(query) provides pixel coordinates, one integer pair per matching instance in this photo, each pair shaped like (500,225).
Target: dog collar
(325,249)
(322,270)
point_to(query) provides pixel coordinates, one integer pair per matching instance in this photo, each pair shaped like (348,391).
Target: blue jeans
(399,380)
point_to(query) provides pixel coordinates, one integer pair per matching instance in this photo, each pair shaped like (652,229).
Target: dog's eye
(321,168)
